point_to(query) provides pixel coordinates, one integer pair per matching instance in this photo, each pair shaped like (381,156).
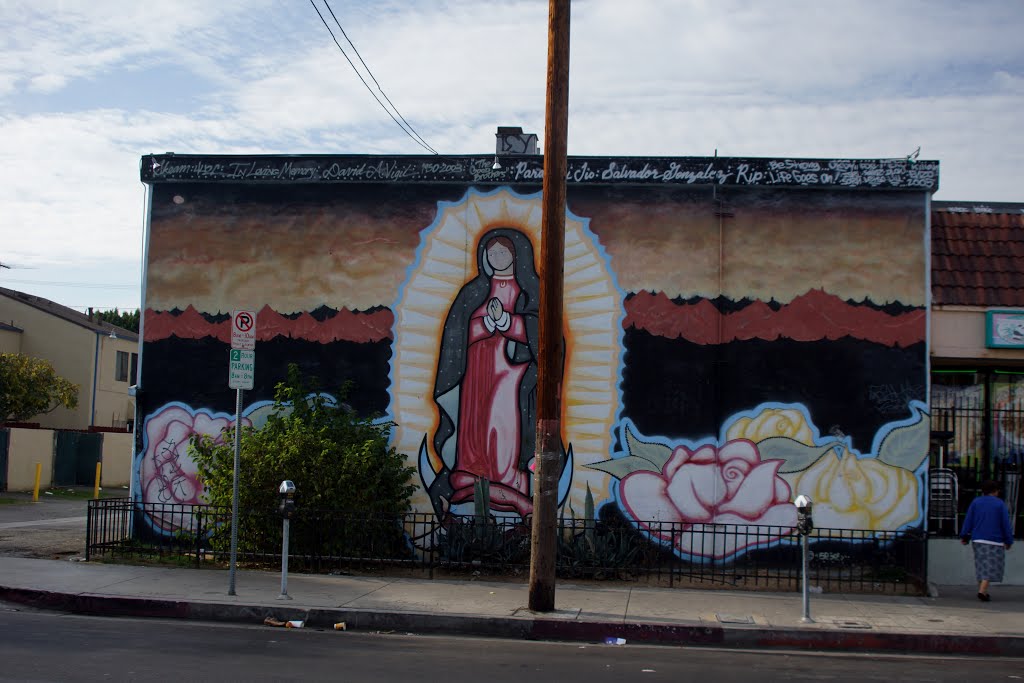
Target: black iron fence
(670,554)
(977,442)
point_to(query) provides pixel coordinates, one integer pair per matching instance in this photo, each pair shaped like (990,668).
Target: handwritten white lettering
(848,173)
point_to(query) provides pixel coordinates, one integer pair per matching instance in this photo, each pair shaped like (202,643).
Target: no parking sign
(243,330)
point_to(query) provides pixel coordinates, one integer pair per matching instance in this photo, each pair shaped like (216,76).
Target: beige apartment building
(99,357)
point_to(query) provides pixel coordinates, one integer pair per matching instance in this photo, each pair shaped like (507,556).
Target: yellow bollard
(35,490)
(96,487)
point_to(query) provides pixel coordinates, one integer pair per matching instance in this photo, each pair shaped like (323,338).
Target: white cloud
(649,77)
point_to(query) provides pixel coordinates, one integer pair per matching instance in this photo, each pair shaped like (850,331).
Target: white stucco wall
(952,564)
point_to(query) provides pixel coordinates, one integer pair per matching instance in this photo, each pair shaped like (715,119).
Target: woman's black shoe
(984,597)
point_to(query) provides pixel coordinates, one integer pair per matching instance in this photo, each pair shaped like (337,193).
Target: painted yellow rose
(772,422)
(852,493)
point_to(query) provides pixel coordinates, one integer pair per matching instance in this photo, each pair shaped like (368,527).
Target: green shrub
(337,459)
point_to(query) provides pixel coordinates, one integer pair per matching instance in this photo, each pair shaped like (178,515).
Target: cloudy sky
(88,86)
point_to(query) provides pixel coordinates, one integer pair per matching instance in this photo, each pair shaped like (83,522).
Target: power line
(405,130)
(372,77)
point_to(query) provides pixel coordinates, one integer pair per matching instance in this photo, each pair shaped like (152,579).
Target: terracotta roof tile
(977,254)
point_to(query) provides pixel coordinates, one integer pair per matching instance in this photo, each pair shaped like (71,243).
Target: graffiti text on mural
(846,173)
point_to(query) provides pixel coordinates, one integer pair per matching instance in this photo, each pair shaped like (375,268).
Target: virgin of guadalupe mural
(486,383)
(463,377)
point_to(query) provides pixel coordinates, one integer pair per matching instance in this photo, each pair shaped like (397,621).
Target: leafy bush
(337,459)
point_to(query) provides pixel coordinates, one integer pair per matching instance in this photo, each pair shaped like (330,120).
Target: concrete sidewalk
(955,622)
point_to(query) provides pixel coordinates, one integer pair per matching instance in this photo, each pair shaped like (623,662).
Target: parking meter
(804,523)
(286,492)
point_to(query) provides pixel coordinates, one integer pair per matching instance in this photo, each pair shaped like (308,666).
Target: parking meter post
(284,564)
(805,525)
(286,491)
(806,618)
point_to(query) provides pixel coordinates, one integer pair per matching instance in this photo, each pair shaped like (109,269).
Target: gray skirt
(988,561)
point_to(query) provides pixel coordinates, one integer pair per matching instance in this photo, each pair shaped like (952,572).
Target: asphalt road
(43,646)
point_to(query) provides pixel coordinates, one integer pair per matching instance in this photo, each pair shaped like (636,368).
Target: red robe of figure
(488,360)
(489,425)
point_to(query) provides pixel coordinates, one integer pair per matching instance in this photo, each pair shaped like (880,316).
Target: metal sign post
(234,494)
(241,376)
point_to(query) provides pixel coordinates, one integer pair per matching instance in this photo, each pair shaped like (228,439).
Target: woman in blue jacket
(987,528)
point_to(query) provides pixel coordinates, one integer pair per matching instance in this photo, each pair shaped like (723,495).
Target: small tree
(337,459)
(30,386)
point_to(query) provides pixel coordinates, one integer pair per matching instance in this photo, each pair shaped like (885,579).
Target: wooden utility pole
(550,349)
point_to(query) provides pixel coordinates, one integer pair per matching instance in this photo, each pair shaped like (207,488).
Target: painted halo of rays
(445,261)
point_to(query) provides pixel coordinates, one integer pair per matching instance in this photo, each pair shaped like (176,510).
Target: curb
(528,627)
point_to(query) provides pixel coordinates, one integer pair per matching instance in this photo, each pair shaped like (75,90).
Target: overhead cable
(374,79)
(408,131)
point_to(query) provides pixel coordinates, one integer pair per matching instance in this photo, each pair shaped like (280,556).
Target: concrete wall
(10,341)
(28,447)
(952,564)
(117,460)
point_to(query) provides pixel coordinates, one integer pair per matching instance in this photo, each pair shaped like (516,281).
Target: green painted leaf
(797,456)
(620,467)
(907,446)
(655,453)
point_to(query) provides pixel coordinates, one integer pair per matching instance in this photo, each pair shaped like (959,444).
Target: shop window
(958,404)
(1007,416)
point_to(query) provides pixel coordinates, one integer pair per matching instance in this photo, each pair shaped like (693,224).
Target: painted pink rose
(167,473)
(728,485)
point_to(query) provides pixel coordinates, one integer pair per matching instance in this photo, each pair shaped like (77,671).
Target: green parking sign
(242,369)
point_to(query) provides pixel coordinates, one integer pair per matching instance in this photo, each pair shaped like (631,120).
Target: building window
(980,415)
(135,369)
(121,369)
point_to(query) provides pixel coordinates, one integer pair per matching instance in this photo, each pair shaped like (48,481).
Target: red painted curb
(531,628)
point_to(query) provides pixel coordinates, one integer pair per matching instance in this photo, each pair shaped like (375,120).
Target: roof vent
(511,140)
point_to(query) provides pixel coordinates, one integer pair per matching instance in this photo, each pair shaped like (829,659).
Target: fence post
(434,534)
(1011,494)
(199,538)
(88,528)
(676,533)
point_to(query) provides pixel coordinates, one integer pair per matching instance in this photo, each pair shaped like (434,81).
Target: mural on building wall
(748,477)
(718,358)
(466,326)
(164,472)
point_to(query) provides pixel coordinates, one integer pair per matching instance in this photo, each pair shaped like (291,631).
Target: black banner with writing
(900,174)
